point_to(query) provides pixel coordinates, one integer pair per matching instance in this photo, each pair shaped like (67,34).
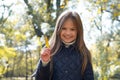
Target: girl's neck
(68,44)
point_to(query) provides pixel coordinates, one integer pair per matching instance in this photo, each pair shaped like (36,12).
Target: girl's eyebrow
(74,27)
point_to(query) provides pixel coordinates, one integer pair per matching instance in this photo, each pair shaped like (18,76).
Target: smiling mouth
(67,36)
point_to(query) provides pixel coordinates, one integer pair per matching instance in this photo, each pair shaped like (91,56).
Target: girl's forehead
(69,22)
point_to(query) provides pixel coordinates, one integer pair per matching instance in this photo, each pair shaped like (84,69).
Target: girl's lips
(67,37)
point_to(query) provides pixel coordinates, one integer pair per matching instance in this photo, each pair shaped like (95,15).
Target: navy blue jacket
(66,66)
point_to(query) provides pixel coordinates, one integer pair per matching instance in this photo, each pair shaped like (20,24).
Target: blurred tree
(44,11)
(14,31)
(107,44)
(6,54)
(43,14)
(99,8)
(5,12)
(18,32)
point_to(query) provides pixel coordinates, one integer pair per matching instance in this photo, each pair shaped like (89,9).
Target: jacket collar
(68,44)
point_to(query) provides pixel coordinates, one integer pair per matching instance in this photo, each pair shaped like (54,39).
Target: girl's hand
(45,55)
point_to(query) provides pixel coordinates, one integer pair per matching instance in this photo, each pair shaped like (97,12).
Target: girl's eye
(63,28)
(73,29)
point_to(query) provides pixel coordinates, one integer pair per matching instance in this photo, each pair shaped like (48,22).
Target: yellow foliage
(103,8)
(62,6)
(38,41)
(98,2)
(115,14)
(112,6)
(14,21)
(20,37)
(104,0)
(99,11)
(105,78)
(2,52)
(5,58)
(118,13)
(6,52)
(1,70)
(118,6)
(11,51)
(91,19)
(111,58)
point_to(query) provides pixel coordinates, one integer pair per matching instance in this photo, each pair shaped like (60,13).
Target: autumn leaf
(46,42)
(62,6)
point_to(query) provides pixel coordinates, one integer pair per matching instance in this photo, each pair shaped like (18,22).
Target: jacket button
(66,71)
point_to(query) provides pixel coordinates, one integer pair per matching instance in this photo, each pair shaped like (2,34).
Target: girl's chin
(68,41)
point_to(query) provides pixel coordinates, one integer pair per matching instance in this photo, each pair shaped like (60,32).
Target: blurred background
(22,23)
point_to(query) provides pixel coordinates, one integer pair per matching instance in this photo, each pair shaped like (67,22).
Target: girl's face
(68,31)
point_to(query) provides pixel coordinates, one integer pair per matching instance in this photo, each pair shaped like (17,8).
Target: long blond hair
(55,40)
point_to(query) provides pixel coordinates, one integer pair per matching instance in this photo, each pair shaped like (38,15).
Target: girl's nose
(67,32)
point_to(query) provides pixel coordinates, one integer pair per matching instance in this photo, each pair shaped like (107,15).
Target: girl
(68,57)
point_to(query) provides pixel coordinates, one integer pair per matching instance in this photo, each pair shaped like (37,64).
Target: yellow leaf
(62,6)
(118,6)
(46,42)
(99,11)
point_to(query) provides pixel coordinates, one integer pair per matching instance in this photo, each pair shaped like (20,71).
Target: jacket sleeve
(89,75)
(42,72)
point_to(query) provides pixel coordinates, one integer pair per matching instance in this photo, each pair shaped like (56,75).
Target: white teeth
(67,36)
